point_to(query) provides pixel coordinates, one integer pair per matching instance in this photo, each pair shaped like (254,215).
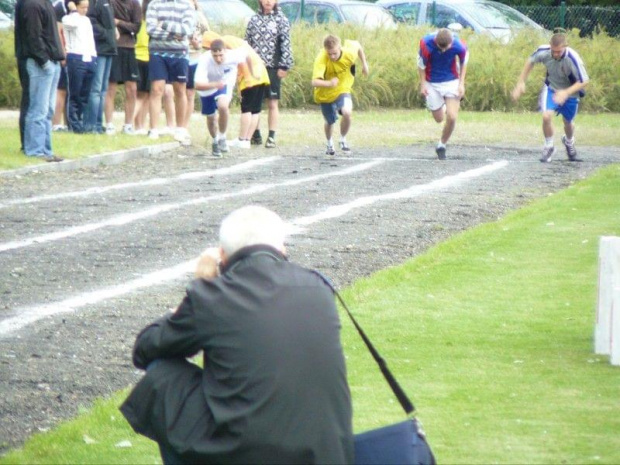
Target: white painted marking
(154,211)
(150,182)
(30,315)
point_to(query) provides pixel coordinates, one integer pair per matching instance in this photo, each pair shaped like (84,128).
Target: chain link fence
(588,19)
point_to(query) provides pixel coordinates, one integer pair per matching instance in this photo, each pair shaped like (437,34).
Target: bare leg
(108,107)
(190,94)
(180,103)
(345,122)
(169,106)
(157,91)
(547,125)
(131,97)
(452,112)
(274,114)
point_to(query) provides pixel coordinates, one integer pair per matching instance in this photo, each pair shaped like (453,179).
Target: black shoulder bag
(402,443)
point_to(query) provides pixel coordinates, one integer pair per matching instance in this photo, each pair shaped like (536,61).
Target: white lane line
(30,315)
(150,182)
(413,191)
(154,211)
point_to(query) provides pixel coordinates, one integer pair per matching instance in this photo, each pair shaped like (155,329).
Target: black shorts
(124,66)
(62,82)
(144,85)
(252,98)
(273,90)
(191,72)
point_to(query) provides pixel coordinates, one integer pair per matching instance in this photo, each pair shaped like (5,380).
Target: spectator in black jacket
(20,56)
(41,47)
(101,15)
(274,386)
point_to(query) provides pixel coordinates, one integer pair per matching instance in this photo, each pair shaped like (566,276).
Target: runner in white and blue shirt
(564,84)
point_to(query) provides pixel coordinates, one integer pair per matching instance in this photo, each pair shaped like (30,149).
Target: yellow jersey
(244,78)
(326,69)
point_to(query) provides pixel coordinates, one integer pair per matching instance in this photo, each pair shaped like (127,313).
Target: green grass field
(490,333)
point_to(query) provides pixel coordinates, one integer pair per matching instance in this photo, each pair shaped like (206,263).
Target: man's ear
(223,257)
(283,250)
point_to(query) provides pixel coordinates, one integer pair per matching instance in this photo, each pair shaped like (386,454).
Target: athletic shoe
(243,144)
(344,147)
(215,149)
(330,150)
(271,143)
(59,128)
(182,135)
(223,145)
(256,140)
(141,132)
(128,129)
(441,153)
(110,130)
(571,151)
(54,158)
(167,130)
(547,154)
(153,134)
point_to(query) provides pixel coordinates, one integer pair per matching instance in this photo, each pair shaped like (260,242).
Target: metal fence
(588,19)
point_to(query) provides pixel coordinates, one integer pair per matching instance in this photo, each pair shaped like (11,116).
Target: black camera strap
(387,374)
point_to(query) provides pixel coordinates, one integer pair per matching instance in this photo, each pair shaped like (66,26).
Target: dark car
(482,16)
(338,11)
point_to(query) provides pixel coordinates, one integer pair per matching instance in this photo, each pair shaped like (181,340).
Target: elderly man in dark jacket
(273,388)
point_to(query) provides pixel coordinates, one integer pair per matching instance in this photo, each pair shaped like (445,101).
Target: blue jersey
(442,66)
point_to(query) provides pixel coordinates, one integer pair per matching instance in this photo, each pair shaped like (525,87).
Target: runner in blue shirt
(442,65)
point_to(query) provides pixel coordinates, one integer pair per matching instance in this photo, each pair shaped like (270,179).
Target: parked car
(5,22)
(483,16)
(220,12)
(7,7)
(338,11)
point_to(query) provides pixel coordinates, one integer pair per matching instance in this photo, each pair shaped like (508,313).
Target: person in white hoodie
(81,61)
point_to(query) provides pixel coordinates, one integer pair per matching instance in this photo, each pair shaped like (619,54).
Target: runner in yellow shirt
(332,78)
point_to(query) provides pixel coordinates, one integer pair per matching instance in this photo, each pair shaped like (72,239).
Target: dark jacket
(129,14)
(37,32)
(270,36)
(101,16)
(274,387)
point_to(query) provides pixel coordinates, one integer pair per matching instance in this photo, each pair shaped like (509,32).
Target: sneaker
(571,151)
(240,144)
(182,135)
(215,148)
(256,140)
(54,159)
(223,145)
(110,130)
(547,154)
(59,128)
(167,130)
(344,147)
(141,132)
(128,129)
(153,134)
(330,150)
(271,143)
(441,153)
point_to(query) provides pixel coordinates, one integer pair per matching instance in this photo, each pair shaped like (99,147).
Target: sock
(549,142)
(343,139)
(330,142)
(441,145)
(272,134)
(221,136)
(256,134)
(570,141)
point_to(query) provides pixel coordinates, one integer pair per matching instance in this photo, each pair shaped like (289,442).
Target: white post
(608,279)
(615,327)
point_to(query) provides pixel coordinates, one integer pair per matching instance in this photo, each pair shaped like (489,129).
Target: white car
(338,11)
(482,16)
(220,12)
(5,22)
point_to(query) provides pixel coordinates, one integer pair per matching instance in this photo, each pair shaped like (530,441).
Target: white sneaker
(128,129)
(110,130)
(166,130)
(59,128)
(141,132)
(153,134)
(182,135)
(223,145)
(244,144)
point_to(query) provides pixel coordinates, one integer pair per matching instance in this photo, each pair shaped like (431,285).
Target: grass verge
(377,128)
(490,333)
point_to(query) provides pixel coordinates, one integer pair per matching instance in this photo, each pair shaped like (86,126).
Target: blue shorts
(331,110)
(209,103)
(169,69)
(568,109)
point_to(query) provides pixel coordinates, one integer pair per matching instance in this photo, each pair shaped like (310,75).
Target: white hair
(251,225)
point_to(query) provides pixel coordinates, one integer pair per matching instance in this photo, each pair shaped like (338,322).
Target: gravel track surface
(393,205)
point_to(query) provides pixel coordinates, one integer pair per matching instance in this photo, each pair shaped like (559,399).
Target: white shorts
(439,91)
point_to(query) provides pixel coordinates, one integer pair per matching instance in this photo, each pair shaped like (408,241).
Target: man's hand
(461,90)
(334,82)
(424,88)
(518,91)
(208,264)
(282,73)
(560,96)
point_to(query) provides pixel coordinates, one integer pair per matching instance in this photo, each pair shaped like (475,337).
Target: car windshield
(370,15)
(496,16)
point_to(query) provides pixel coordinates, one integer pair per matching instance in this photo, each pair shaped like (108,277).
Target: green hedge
(393,81)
